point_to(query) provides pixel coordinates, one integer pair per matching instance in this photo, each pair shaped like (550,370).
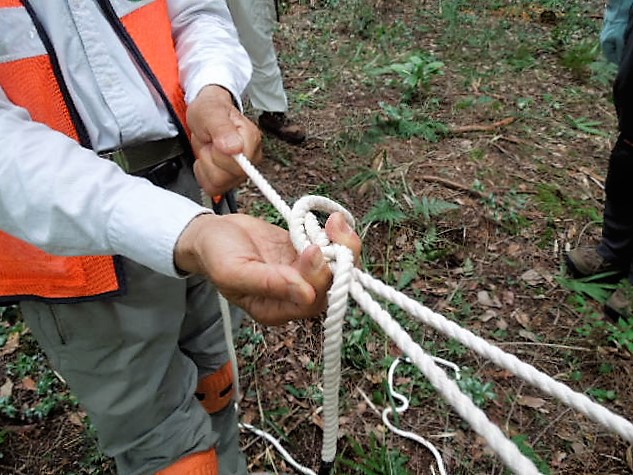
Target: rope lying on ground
(349,281)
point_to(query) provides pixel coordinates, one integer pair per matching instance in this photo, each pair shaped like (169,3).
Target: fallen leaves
(484,299)
(6,390)
(531,402)
(11,345)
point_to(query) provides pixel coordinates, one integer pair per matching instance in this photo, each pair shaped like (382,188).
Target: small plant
(7,408)
(621,333)
(481,393)
(416,74)
(587,126)
(312,392)
(603,395)
(405,122)
(521,441)
(355,341)
(506,210)
(386,211)
(266,211)
(579,57)
(430,207)
(592,287)
(603,72)
(249,339)
(375,460)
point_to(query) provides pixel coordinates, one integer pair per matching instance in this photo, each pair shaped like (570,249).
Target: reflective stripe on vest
(27,272)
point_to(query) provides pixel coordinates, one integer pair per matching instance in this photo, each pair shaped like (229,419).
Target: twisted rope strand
(332,344)
(462,404)
(505,360)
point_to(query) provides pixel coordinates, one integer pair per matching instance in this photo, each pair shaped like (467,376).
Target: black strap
(136,54)
(80,127)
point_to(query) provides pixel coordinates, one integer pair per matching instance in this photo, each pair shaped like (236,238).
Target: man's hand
(255,266)
(219,130)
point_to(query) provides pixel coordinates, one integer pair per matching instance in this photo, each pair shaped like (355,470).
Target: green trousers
(134,363)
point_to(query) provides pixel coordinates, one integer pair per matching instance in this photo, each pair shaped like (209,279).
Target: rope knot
(305,228)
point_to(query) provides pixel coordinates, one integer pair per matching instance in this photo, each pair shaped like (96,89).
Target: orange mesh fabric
(200,463)
(30,83)
(25,270)
(216,390)
(157,46)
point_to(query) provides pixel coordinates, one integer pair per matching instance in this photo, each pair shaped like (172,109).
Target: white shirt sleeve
(66,200)
(208,47)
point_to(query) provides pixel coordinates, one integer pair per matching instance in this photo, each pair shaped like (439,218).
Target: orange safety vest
(27,272)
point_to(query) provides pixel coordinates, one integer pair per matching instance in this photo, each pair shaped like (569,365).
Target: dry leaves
(531,402)
(7,388)
(12,344)
(484,299)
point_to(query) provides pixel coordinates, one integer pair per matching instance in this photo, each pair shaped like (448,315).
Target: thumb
(223,130)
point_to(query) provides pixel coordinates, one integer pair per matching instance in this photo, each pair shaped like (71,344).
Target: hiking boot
(620,304)
(585,262)
(278,124)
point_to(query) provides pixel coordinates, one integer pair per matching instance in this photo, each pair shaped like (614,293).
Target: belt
(159,161)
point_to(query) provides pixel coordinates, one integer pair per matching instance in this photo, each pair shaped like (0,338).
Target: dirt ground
(505,152)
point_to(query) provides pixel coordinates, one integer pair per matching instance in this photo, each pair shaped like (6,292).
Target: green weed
(354,352)
(591,286)
(312,392)
(431,207)
(620,333)
(376,459)
(521,441)
(481,393)
(266,211)
(603,395)
(249,340)
(405,122)
(415,74)
(603,72)
(579,57)
(506,209)
(551,201)
(587,126)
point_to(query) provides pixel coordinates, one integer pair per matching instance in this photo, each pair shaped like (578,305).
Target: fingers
(275,294)
(219,131)
(316,272)
(340,232)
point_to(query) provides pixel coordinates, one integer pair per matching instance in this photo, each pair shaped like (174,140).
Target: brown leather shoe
(585,262)
(278,124)
(620,304)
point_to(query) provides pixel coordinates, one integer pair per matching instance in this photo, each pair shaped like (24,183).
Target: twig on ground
(518,141)
(368,401)
(452,185)
(549,426)
(461,129)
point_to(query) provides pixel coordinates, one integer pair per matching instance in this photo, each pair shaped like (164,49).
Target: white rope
(404,405)
(300,468)
(349,281)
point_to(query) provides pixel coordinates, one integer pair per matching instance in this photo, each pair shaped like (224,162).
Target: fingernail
(296,295)
(345,228)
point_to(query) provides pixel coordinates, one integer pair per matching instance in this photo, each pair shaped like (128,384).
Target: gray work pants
(134,363)
(255,21)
